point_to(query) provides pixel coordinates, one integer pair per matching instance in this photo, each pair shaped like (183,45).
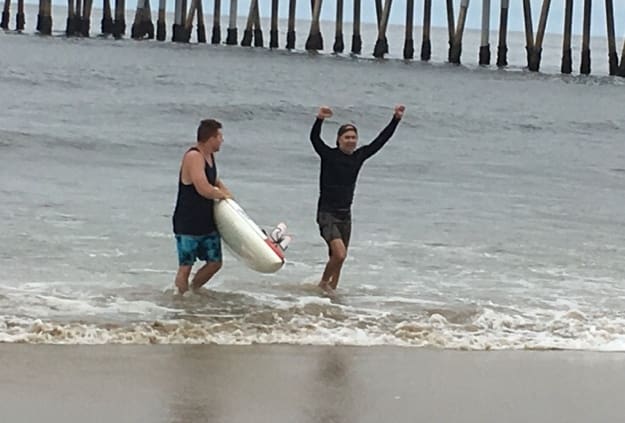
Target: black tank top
(193,214)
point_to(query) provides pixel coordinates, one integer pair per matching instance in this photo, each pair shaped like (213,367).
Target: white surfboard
(245,239)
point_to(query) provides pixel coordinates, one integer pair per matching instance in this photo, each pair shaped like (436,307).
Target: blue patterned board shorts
(202,247)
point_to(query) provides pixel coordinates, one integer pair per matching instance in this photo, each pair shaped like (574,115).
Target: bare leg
(329,279)
(182,279)
(204,274)
(334,279)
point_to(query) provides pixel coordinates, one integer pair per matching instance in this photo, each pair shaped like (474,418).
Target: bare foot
(325,286)
(200,291)
(182,287)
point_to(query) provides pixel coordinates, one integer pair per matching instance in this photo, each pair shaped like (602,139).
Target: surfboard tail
(276,248)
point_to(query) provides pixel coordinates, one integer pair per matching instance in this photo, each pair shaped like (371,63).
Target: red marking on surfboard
(276,249)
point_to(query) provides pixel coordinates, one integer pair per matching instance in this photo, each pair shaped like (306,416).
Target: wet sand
(207,383)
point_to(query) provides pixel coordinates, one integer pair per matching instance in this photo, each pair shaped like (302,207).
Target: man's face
(216,140)
(348,141)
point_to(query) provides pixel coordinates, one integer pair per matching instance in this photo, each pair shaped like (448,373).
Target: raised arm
(386,134)
(315,133)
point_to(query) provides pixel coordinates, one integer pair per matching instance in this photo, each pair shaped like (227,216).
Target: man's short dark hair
(345,128)
(208,128)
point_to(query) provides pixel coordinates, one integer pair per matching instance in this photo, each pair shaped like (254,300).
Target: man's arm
(315,133)
(220,184)
(386,134)
(194,161)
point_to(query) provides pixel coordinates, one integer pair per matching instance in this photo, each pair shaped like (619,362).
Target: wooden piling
(161,24)
(40,3)
(536,54)
(77,28)
(184,19)
(258,30)
(456,50)
(339,45)
(216,34)
(85,22)
(378,11)
(44,19)
(6,15)
(119,25)
(529,31)
(136,30)
(232,36)
(200,31)
(273,32)
(409,38)
(451,26)
(188,22)
(502,47)
(178,25)
(315,39)
(290,34)
(200,28)
(356,37)
(426,43)
(69,24)
(585,63)
(612,54)
(146,23)
(106,24)
(20,18)
(45,25)
(39,16)
(77,17)
(248,33)
(143,26)
(484,55)
(179,32)
(80,11)
(381,45)
(567,57)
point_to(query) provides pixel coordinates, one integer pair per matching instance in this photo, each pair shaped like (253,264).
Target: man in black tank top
(337,181)
(193,222)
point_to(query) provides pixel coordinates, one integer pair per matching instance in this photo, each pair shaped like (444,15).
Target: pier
(190,13)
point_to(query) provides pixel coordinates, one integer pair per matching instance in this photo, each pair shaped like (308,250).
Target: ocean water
(493,219)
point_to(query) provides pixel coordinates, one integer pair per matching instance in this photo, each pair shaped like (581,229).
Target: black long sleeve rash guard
(339,171)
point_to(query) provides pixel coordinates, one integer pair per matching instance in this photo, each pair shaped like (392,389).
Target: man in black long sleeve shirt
(337,181)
